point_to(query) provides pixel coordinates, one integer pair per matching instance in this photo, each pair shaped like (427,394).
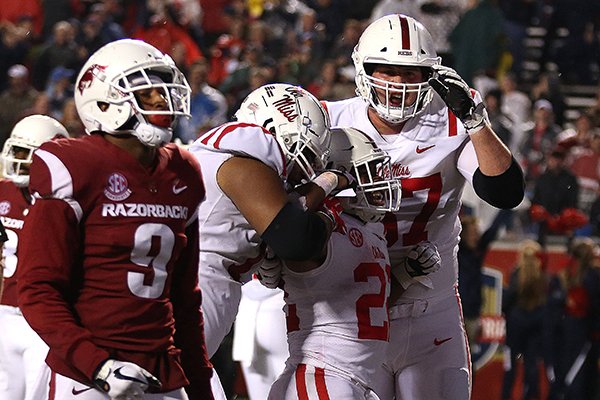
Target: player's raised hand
(123,380)
(456,94)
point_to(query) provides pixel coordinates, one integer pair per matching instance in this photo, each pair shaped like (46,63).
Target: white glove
(420,261)
(423,259)
(123,380)
(269,270)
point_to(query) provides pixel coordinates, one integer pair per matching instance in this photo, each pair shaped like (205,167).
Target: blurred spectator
(573,323)
(59,50)
(59,90)
(208,105)
(225,53)
(523,307)
(102,14)
(331,14)
(214,20)
(257,76)
(41,105)
(548,87)
(477,40)
(472,250)
(70,119)
(577,138)
(330,84)
(18,97)
(13,11)
(163,33)
(585,165)
(555,191)
(514,101)
(539,139)
(502,123)
(239,79)
(15,43)
(344,44)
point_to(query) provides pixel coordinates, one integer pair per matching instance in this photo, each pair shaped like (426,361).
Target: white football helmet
(296,119)
(395,39)
(376,191)
(27,135)
(104,91)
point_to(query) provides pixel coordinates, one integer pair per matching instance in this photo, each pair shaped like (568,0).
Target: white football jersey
(433,156)
(228,243)
(337,313)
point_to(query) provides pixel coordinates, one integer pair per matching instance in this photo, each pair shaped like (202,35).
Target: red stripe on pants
(320,382)
(301,382)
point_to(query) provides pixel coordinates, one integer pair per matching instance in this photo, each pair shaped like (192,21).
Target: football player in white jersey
(436,132)
(259,336)
(336,304)
(281,135)
(22,351)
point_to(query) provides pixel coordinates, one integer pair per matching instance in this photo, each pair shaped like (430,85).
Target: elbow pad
(296,235)
(504,191)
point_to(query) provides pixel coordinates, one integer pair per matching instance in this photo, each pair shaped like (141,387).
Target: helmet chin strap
(152,135)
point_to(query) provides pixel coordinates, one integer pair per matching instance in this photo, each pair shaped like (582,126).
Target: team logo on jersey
(88,76)
(492,322)
(356,237)
(400,170)
(420,150)
(4,207)
(117,187)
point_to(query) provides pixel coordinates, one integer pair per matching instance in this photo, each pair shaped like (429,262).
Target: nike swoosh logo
(119,375)
(177,190)
(76,392)
(423,149)
(437,341)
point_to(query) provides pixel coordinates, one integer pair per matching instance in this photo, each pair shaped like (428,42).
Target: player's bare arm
(255,189)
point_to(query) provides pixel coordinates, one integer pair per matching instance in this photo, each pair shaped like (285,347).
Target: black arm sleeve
(503,191)
(296,235)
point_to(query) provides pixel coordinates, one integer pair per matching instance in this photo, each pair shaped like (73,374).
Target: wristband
(327,181)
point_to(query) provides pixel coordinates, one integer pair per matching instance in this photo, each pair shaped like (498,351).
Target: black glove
(456,94)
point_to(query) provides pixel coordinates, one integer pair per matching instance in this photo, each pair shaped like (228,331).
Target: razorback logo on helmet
(88,76)
(286,106)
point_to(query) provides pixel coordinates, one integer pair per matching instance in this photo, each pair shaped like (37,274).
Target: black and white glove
(123,380)
(423,259)
(269,270)
(456,94)
(348,176)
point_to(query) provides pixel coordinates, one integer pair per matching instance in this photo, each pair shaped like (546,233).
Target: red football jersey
(114,272)
(13,208)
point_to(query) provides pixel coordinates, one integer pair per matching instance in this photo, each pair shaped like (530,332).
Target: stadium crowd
(228,48)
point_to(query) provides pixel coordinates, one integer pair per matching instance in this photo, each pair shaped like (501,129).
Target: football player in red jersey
(22,352)
(107,273)
(435,129)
